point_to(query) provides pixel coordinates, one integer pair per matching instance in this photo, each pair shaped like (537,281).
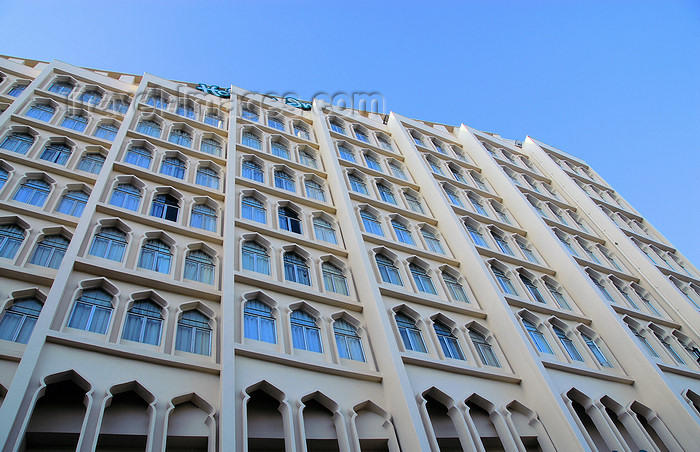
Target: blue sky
(615,83)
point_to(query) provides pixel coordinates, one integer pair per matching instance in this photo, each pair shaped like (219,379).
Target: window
(18,142)
(126,196)
(402,232)
(568,344)
(109,243)
(483,349)
(647,302)
(504,282)
(647,346)
(34,192)
(597,352)
(259,322)
(414,203)
(422,279)
(251,140)
(207,177)
(91,162)
(173,166)
(432,242)
(252,171)
(397,171)
(558,296)
(11,238)
(372,163)
(626,295)
(42,112)
(589,252)
(301,131)
(210,146)
(288,220)
(18,320)
(387,270)
(295,269)
(669,348)
(435,166)
(323,230)
(337,127)
(62,88)
(3,177)
(500,211)
(284,181)
(454,199)
(203,217)
(479,182)
(155,256)
(567,244)
(180,137)
(150,128)
(537,337)
(91,96)
(347,340)
(410,334)
(360,135)
(385,144)
(56,153)
(119,105)
(17,90)
(75,122)
(73,203)
(166,207)
(249,114)
(371,223)
(315,191)
(193,333)
(457,175)
(527,251)
(476,236)
(158,101)
(346,154)
(252,209)
(280,150)
(532,288)
(305,334)
(478,206)
(255,258)
(557,213)
(502,244)
(448,341)
(92,311)
(199,266)
(357,185)
(333,279)
(138,156)
(275,123)
(214,120)
(305,158)
(602,289)
(143,323)
(454,287)
(49,251)
(386,194)
(417,140)
(185,110)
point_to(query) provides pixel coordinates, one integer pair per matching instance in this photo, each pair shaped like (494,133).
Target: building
(391,283)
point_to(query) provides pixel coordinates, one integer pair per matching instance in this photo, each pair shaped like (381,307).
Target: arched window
(251,140)
(568,344)
(138,156)
(158,101)
(314,190)
(50,251)
(422,279)
(56,153)
(337,126)
(295,269)
(478,206)
(199,266)
(387,270)
(73,203)
(173,166)
(18,320)
(323,230)
(402,232)
(501,212)
(502,244)
(371,223)
(372,163)
(397,171)
(42,112)
(3,177)
(259,322)
(432,242)
(207,177)
(410,334)
(435,166)
(601,288)
(18,142)
(155,256)
(91,96)
(361,135)
(348,342)
(289,220)
(301,131)
(107,131)
(255,258)
(386,194)
(11,238)
(92,311)
(214,119)
(504,281)
(150,128)
(537,337)
(249,114)
(417,139)
(597,352)
(275,122)
(346,154)
(17,89)
(558,296)
(75,122)
(333,279)
(193,333)
(126,196)
(284,181)
(457,175)
(357,185)
(144,323)
(62,88)
(119,105)
(532,288)
(306,158)
(165,206)
(280,150)
(384,143)
(669,348)
(109,243)
(479,181)
(185,110)
(476,236)
(454,198)
(91,162)
(252,171)
(454,287)
(305,333)
(448,342)
(180,137)
(203,217)
(483,349)
(414,203)
(525,248)
(252,209)
(210,146)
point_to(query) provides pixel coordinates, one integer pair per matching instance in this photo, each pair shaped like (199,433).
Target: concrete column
(456,413)
(503,432)
(159,422)
(93,420)
(635,431)
(603,428)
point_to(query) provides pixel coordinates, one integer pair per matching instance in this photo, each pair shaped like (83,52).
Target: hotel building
(188,268)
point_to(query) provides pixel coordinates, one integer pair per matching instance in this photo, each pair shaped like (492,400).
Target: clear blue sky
(616,83)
